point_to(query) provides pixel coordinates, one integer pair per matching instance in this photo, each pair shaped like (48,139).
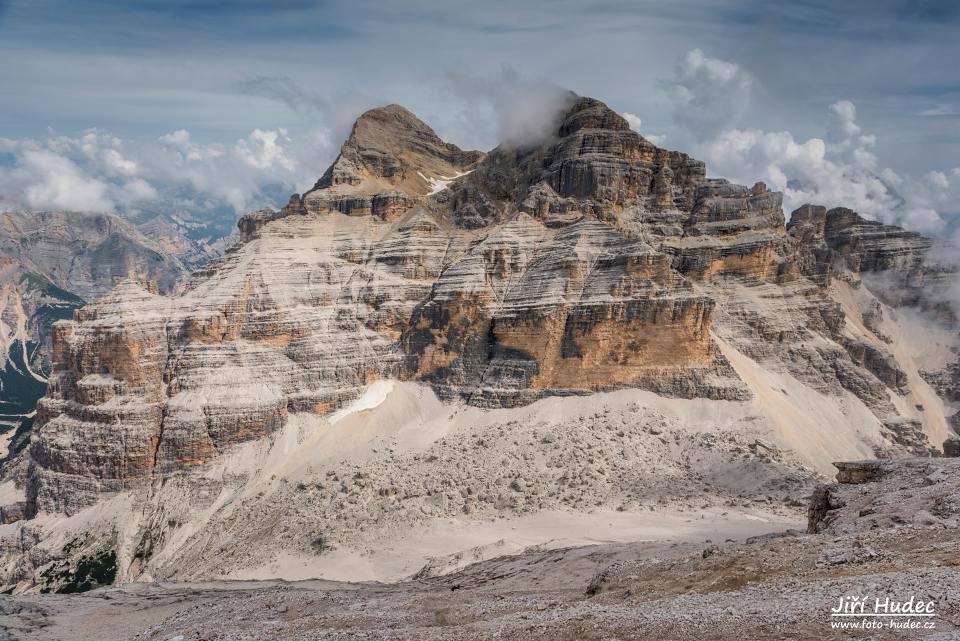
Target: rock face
(840,239)
(390,158)
(193,243)
(89,254)
(580,308)
(50,263)
(590,261)
(854,472)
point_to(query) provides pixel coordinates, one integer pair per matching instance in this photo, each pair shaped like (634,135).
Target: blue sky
(139,71)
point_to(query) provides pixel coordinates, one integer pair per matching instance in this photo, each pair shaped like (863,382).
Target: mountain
(51,263)
(432,338)
(193,243)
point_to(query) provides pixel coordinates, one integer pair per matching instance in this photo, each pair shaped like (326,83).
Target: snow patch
(373,396)
(439,184)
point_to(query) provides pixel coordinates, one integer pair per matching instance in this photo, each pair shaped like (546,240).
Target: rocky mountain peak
(387,165)
(389,148)
(590,113)
(378,126)
(866,245)
(392,160)
(594,166)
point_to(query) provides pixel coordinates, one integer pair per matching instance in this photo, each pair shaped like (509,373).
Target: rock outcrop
(50,264)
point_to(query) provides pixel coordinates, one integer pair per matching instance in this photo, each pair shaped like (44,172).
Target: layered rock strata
(590,261)
(51,262)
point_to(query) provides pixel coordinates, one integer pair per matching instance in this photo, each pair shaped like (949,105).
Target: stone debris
(779,586)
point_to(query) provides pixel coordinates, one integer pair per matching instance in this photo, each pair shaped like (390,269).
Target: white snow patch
(372,397)
(439,184)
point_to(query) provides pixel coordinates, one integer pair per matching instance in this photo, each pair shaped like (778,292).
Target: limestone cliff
(592,261)
(50,263)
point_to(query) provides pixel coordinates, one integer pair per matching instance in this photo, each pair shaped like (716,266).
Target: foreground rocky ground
(889,529)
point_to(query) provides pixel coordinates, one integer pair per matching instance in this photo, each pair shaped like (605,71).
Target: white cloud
(88,173)
(137,190)
(708,95)
(804,170)
(634,121)
(937,180)
(840,169)
(264,149)
(97,171)
(114,162)
(51,181)
(939,110)
(506,106)
(178,138)
(813,171)
(843,125)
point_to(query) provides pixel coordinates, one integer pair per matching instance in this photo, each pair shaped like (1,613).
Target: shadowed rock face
(591,261)
(601,159)
(895,262)
(530,311)
(596,166)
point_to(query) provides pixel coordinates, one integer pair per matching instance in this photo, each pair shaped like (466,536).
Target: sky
(136,106)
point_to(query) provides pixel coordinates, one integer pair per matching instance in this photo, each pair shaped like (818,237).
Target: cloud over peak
(707,99)
(708,94)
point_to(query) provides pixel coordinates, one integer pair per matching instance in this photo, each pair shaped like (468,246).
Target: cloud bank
(96,171)
(707,94)
(520,110)
(708,97)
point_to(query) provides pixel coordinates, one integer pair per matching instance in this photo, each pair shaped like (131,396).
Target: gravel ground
(894,535)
